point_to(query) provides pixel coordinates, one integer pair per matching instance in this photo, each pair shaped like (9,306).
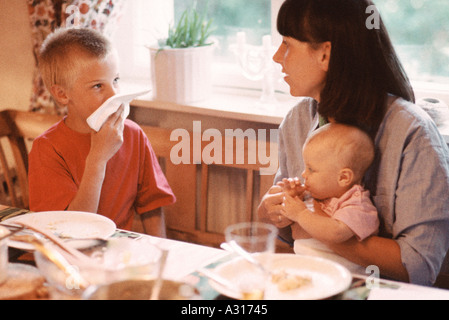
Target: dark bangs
(293,20)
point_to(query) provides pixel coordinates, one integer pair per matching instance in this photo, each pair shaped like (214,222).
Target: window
(419,30)
(145,21)
(229,17)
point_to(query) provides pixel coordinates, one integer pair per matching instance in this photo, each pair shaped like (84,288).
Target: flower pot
(182,76)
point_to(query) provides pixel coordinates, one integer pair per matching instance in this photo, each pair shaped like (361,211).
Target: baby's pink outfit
(354,209)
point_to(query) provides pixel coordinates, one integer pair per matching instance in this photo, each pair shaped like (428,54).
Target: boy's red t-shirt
(134,181)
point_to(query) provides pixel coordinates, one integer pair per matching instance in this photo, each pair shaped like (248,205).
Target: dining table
(186,260)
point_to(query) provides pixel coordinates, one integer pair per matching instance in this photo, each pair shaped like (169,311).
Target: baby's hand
(292,186)
(291,207)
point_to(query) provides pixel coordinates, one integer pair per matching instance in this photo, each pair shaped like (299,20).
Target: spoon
(57,258)
(218,279)
(234,247)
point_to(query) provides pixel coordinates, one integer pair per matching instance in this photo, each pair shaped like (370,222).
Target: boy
(113,172)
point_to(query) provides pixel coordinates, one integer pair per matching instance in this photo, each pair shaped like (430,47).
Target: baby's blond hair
(351,146)
(64,52)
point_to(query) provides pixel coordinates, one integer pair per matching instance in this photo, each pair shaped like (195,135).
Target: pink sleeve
(359,214)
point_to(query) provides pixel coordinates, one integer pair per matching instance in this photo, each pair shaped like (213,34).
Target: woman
(352,75)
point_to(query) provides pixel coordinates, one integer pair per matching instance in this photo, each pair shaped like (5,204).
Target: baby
(336,157)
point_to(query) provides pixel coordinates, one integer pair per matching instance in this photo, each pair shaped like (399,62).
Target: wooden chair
(17,130)
(187,219)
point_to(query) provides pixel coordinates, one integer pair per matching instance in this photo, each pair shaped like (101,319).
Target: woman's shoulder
(405,121)
(401,110)
(304,112)
(305,105)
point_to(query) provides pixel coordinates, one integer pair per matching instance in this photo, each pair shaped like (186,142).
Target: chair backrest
(189,219)
(17,128)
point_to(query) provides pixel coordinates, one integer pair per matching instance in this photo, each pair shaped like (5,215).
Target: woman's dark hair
(363,67)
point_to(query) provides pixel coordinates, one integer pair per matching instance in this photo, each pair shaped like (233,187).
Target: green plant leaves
(192,30)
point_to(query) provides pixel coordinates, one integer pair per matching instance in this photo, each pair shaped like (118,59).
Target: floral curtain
(48,15)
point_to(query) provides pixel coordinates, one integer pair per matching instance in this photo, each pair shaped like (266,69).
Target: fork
(54,256)
(15,230)
(76,254)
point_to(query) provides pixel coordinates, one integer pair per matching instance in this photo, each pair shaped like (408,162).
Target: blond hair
(350,146)
(64,51)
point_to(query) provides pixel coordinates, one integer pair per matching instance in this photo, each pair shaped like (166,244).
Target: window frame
(135,68)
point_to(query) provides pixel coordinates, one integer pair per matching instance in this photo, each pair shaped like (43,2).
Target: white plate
(328,278)
(73,224)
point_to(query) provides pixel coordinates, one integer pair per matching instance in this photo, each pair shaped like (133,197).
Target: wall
(16,58)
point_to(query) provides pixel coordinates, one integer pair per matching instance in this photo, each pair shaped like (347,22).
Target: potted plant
(181,64)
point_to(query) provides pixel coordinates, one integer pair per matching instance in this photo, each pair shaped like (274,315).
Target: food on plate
(286,281)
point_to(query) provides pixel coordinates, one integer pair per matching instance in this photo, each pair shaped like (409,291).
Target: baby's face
(98,80)
(320,173)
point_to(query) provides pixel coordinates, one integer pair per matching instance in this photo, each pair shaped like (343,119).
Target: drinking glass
(123,259)
(259,239)
(254,237)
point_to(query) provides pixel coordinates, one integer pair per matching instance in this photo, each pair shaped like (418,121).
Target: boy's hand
(107,141)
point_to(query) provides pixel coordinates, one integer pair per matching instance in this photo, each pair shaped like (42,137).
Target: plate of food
(293,277)
(66,225)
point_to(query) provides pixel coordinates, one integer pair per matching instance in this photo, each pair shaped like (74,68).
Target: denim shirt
(408,181)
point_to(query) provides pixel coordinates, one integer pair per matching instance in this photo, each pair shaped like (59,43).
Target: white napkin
(313,247)
(408,293)
(97,119)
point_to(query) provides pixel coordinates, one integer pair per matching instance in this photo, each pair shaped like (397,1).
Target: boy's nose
(112,91)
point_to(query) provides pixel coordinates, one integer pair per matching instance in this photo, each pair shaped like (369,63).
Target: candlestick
(256,64)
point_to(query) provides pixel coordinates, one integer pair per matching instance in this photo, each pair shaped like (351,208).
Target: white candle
(241,40)
(266,42)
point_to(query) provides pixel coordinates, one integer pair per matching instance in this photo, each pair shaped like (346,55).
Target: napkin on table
(97,119)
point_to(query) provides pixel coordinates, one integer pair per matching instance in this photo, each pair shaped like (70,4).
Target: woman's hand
(270,208)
